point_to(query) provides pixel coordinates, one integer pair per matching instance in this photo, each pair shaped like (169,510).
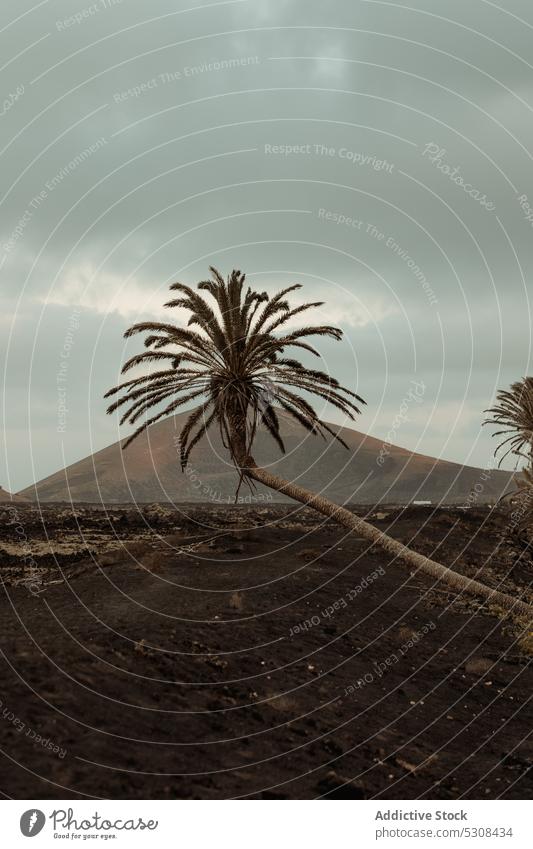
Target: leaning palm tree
(232,358)
(513,413)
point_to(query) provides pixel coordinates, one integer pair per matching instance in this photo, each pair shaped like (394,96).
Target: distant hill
(149,471)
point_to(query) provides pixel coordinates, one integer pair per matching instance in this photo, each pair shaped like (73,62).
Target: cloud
(169,195)
(105,292)
(342,309)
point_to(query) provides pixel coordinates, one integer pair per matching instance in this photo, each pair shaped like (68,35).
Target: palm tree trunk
(391,546)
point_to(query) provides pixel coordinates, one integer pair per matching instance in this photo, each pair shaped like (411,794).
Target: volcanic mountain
(149,471)
(9,497)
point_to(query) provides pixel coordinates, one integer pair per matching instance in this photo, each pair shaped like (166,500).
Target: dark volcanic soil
(162,655)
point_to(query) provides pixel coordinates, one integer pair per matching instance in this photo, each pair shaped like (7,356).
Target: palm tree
(513,412)
(232,356)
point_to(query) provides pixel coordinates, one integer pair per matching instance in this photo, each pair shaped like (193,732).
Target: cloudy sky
(379,153)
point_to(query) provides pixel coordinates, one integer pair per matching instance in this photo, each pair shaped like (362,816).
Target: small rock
(337,787)
(405,633)
(236,601)
(308,554)
(478,665)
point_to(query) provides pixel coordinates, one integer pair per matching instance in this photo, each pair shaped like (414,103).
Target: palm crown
(235,363)
(514,411)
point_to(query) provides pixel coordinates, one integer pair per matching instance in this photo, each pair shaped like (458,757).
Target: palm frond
(514,411)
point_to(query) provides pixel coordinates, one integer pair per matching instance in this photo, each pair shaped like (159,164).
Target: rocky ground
(258,652)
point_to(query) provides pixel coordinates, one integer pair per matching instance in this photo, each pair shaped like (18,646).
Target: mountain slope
(8,497)
(149,471)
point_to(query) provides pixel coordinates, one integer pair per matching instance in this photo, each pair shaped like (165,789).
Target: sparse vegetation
(513,413)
